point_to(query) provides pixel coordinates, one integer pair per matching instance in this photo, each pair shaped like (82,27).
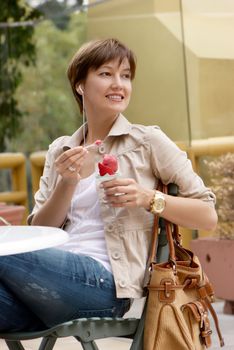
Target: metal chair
(86,331)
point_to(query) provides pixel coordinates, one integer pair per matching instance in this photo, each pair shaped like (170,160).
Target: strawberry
(111,162)
(103,170)
(109,165)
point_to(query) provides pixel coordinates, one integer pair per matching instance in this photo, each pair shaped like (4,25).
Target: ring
(72,169)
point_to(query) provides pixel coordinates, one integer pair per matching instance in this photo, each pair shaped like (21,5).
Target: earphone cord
(83,117)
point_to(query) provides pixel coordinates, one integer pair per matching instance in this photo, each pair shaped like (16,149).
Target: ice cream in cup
(108,169)
(109,165)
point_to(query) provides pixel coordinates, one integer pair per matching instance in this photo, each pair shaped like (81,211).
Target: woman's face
(108,89)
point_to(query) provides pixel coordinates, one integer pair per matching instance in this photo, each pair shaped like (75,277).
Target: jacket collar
(120,127)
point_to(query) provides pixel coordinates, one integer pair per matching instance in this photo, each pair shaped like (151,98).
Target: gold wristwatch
(157,203)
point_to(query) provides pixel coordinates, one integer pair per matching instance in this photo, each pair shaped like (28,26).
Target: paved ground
(226,323)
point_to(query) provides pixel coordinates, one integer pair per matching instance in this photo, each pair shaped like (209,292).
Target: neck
(98,131)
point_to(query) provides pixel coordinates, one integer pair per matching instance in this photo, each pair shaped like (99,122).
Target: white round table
(22,239)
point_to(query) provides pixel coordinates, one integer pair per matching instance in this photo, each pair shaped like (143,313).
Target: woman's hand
(54,211)
(126,193)
(69,163)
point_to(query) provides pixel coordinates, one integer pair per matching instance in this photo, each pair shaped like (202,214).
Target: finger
(72,159)
(128,189)
(128,204)
(117,182)
(75,160)
(121,199)
(71,167)
(75,157)
(124,202)
(70,153)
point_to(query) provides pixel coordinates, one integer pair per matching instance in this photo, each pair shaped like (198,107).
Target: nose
(117,82)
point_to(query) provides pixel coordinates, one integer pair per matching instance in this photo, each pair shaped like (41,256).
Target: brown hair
(94,54)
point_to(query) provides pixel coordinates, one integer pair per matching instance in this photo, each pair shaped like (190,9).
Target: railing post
(37,162)
(16,162)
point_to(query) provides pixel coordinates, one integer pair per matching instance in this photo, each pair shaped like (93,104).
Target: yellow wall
(208,27)
(152,29)
(211,96)
(216,97)
(159,86)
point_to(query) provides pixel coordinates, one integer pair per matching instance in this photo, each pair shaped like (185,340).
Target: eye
(127,76)
(105,74)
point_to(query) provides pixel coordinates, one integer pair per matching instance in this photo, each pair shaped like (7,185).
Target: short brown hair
(94,54)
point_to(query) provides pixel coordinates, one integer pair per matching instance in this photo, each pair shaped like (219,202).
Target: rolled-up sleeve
(172,165)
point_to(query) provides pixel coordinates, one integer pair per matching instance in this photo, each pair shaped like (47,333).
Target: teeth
(115,97)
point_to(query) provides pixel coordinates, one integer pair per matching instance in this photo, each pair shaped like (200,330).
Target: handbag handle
(172,237)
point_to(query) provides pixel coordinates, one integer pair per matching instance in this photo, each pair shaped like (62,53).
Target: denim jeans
(43,288)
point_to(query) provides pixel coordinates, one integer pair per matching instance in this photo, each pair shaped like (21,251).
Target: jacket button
(116,255)
(101,149)
(110,228)
(122,283)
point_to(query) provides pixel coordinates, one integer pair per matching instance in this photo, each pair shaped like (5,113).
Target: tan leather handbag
(179,298)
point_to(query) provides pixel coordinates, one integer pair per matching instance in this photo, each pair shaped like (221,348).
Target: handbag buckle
(192,281)
(173,265)
(167,294)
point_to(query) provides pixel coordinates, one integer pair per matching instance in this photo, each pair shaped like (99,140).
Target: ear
(79,89)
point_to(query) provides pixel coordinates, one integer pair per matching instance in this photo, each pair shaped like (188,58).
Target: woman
(109,222)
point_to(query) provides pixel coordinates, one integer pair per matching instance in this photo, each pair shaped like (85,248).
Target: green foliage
(45,92)
(56,12)
(221,170)
(16,48)
(59,11)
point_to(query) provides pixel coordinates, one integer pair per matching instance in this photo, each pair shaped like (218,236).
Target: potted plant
(216,253)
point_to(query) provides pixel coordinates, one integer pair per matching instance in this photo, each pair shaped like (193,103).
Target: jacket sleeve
(48,179)
(172,165)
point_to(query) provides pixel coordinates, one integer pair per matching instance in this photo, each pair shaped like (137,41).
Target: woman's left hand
(126,193)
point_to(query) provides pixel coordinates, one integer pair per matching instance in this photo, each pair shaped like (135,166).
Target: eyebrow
(110,67)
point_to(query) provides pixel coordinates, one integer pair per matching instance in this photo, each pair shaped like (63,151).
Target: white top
(86,229)
(22,239)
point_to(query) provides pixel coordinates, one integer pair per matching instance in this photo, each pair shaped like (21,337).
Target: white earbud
(80,90)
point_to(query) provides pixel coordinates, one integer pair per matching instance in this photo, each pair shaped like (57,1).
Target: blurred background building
(184,80)
(185,72)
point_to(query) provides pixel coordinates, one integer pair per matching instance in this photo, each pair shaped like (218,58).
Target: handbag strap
(171,236)
(154,241)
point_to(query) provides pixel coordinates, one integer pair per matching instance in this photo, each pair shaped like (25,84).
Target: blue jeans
(43,288)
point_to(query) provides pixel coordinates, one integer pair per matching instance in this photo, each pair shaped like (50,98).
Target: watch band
(152,202)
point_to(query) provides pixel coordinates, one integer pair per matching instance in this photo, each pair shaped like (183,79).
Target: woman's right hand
(69,164)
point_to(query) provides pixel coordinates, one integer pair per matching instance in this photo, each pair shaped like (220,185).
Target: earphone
(80,90)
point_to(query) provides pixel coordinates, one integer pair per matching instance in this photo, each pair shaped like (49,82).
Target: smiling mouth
(117,98)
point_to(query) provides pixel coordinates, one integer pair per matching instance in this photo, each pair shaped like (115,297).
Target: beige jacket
(144,153)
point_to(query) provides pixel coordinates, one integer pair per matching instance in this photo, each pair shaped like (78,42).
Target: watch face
(158,205)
